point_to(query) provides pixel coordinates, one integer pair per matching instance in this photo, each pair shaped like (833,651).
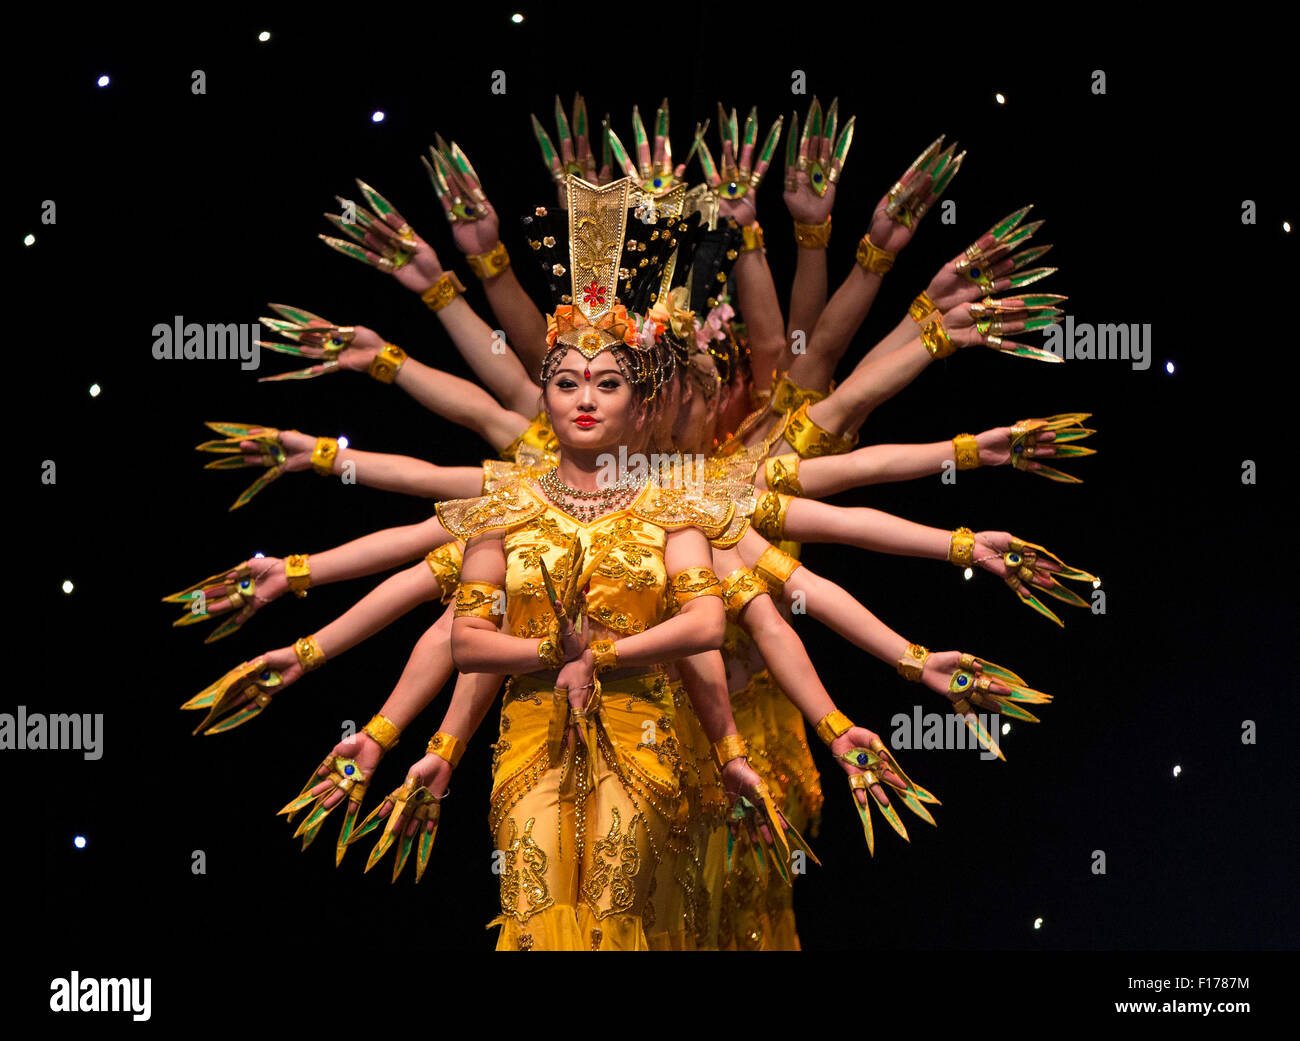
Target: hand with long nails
(1031,440)
(814,161)
(986,323)
(245,445)
(244,589)
(1028,569)
(335,347)
(384,240)
(901,208)
(871,770)
(971,683)
(753,816)
(574,156)
(653,170)
(744,163)
(245,690)
(989,265)
(409,816)
(343,776)
(474,224)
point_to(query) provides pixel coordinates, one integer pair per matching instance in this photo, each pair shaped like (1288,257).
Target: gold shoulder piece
(509,504)
(685,507)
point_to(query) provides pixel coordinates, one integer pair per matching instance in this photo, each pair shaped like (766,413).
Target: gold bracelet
(751,237)
(813,236)
(322,456)
(729,747)
(310,656)
(605,655)
(921,307)
(383,730)
(874,259)
(911,664)
(297,572)
(967,451)
(442,292)
(961,547)
(446,746)
(548,653)
(490,264)
(935,336)
(832,725)
(385,364)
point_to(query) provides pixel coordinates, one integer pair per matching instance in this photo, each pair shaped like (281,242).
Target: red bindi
(586,372)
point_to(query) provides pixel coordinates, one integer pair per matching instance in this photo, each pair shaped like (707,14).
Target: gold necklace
(587,506)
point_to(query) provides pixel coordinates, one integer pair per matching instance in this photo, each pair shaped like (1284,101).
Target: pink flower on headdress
(712,328)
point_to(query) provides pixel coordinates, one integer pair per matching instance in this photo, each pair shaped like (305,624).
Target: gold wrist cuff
(739,588)
(775,567)
(442,292)
(782,472)
(813,236)
(727,748)
(874,259)
(967,451)
(490,264)
(751,237)
(384,365)
(921,307)
(383,730)
(961,548)
(912,662)
(322,456)
(768,517)
(935,336)
(832,726)
(310,656)
(297,572)
(548,653)
(446,746)
(605,655)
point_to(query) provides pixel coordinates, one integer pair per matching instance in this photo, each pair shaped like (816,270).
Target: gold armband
(751,237)
(446,746)
(775,568)
(935,336)
(782,472)
(921,307)
(490,264)
(727,748)
(738,589)
(811,441)
(322,456)
(478,600)
(787,395)
(605,655)
(961,547)
(769,515)
(297,572)
(383,730)
(310,656)
(911,664)
(694,582)
(874,259)
(832,725)
(813,236)
(967,451)
(384,365)
(445,563)
(442,292)
(548,653)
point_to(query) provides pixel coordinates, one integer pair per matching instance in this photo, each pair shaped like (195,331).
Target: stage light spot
(343,441)
(1096,583)
(968,574)
(377,116)
(102,81)
(1169,367)
(1286,226)
(67,585)
(1178,770)
(1038,923)
(1006,728)
(256,555)
(516,18)
(79,842)
(29,239)
(1001,98)
(263,36)
(94,390)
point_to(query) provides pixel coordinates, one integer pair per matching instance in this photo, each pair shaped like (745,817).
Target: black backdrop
(170,203)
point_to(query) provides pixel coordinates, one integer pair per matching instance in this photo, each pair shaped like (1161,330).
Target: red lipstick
(586,422)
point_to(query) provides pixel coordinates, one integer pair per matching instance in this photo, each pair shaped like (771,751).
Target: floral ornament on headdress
(566,325)
(712,331)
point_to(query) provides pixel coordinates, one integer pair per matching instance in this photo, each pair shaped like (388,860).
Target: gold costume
(593,851)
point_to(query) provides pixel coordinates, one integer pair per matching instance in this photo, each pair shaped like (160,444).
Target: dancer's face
(592,406)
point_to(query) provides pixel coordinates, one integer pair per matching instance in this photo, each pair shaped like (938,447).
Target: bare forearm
(461,402)
(377,551)
(875,464)
(427,671)
(484,648)
(521,321)
(807,520)
(696,628)
(408,475)
(756,293)
(489,356)
(705,678)
(382,606)
(807,293)
(786,658)
(845,410)
(834,607)
(470,702)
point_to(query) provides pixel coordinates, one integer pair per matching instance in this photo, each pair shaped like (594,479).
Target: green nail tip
(638,127)
(1008,222)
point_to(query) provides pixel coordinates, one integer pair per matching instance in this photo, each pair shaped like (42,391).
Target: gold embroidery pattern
(596,936)
(616,861)
(811,440)
(525,941)
(527,881)
(769,515)
(738,589)
(694,582)
(783,474)
(510,504)
(476,600)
